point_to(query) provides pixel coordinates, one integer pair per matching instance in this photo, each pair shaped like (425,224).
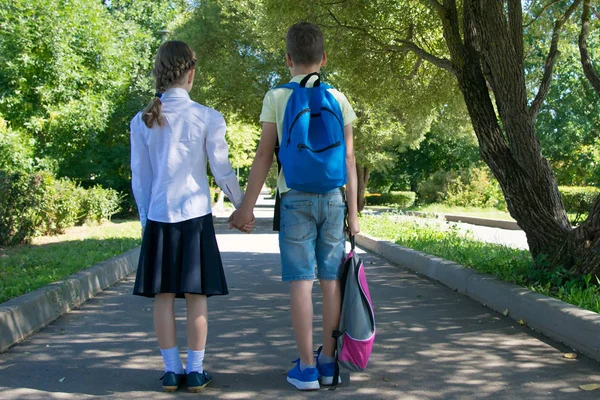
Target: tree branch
(586,62)
(541,12)
(406,45)
(550,60)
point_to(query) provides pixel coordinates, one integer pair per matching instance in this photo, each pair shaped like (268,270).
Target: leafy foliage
(579,200)
(402,200)
(35,204)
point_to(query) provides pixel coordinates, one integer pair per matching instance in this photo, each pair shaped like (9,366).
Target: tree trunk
(486,55)
(362,174)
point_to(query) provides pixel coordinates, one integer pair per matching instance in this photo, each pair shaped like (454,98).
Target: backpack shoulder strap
(289,85)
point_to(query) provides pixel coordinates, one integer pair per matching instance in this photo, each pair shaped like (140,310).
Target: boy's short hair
(305,43)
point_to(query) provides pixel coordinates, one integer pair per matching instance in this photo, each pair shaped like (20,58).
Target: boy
(312,225)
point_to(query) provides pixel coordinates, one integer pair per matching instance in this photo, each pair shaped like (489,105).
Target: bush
(401,200)
(35,204)
(99,204)
(579,200)
(67,205)
(24,205)
(433,190)
(476,187)
(16,153)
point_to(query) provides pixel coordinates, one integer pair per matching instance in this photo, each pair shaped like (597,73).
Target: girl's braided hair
(173,61)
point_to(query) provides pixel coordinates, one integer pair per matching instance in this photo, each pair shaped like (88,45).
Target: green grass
(28,267)
(490,213)
(511,265)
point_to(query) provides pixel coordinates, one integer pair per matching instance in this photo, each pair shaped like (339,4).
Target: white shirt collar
(175,93)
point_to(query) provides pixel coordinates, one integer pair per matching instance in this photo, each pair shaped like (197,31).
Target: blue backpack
(312,151)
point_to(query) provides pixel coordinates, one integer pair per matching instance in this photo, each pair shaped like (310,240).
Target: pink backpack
(356,332)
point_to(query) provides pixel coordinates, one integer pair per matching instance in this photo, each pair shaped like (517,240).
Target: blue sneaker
(303,380)
(326,371)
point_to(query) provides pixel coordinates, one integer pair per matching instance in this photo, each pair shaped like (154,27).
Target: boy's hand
(242,220)
(353,225)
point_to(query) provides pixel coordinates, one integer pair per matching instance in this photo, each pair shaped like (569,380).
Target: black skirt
(181,257)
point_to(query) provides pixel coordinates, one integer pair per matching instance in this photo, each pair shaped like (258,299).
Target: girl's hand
(242,220)
(353,225)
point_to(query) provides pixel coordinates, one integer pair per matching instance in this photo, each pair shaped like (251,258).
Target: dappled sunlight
(431,343)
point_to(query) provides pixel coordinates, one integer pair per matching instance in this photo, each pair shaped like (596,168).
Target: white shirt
(168,163)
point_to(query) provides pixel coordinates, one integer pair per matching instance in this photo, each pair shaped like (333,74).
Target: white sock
(194,361)
(172,360)
(323,359)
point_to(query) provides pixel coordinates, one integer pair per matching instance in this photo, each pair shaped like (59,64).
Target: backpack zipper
(334,114)
(294,122)
(331,146)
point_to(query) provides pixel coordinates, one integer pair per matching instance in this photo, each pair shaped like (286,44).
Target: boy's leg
(331,313)
(330,250)
(302,318)
(297,250)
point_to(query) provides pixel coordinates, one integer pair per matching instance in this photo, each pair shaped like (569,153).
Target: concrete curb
(568,324)
(26,314)
(492,223)
(489,222)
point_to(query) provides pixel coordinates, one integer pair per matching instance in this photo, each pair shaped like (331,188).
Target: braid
(173,61)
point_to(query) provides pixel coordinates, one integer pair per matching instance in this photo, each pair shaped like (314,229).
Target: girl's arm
(141,170)
(218,157)
(352,185)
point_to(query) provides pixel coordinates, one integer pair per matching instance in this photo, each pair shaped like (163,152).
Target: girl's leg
(164,325)
(331,313)
(302,318)
(197,330)
(164,320)
(197,321)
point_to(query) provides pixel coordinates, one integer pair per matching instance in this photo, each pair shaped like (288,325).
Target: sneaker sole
(328,380)
(197,389)
(170,388)
(314,385)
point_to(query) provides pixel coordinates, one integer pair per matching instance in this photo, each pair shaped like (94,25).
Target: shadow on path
(431,344)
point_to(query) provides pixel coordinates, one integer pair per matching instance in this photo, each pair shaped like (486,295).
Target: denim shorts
(312,235)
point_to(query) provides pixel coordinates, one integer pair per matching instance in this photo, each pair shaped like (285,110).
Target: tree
(235,66)
(569,136)
(481,45)
(397,97)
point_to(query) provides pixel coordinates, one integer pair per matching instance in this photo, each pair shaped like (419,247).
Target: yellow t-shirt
(273,110)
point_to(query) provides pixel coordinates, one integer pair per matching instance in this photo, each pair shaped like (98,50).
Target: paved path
(432,343)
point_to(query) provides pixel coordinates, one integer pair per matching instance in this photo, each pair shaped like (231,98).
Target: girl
(170,142)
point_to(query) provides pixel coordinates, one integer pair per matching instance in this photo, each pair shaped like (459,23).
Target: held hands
(242,220)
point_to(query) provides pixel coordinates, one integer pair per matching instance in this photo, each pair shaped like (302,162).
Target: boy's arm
(352,185)
(258,174)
